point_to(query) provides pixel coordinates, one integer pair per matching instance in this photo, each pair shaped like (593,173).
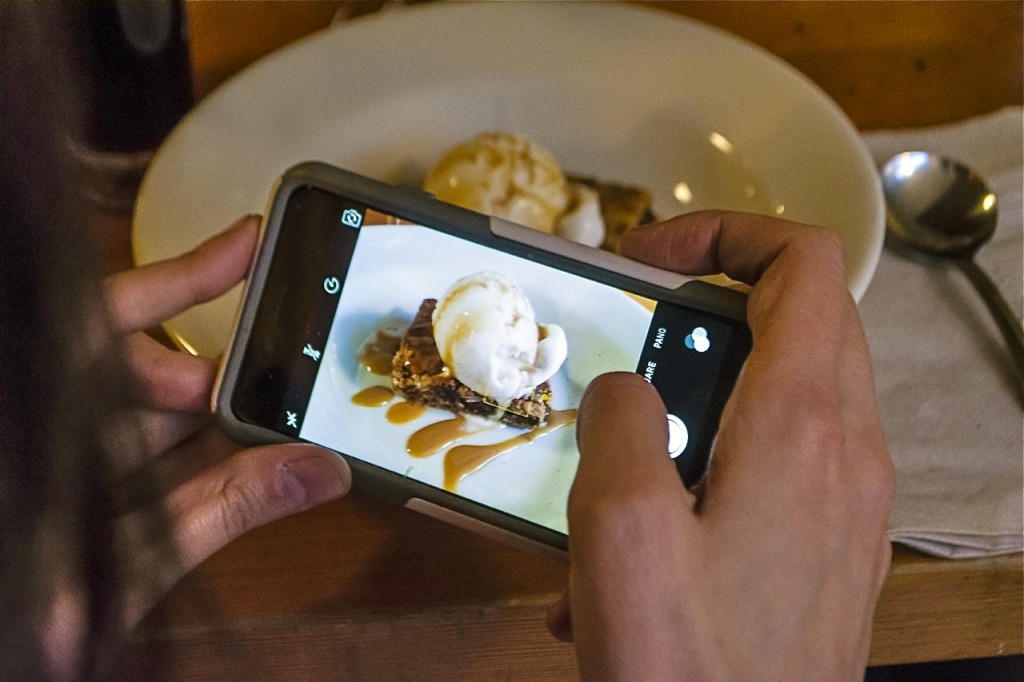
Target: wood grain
(888,64)
(933,609)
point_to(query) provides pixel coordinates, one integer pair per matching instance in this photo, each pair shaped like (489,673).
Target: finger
(630,519)
(741,245)
(158,472)
(798,275)
(134,437)
(164,379)
(622,434)
(252,488)
(140,298)
(795,267)
(559,620)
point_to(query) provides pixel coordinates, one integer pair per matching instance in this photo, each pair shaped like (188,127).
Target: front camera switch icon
(351,217)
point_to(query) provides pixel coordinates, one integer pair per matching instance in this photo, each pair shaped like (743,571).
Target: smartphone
(443,352)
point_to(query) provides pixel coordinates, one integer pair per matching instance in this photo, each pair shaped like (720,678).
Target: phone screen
(366,316)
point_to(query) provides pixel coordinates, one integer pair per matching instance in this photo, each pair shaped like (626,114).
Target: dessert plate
(698,116)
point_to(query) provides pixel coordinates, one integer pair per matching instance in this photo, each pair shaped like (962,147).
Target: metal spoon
(940,208)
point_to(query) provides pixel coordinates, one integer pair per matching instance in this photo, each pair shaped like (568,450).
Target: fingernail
(319,478)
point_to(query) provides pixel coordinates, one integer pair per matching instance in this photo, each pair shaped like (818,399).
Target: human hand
(770,570)
(176,466)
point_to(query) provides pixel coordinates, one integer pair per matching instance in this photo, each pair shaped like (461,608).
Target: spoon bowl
(940,208)
(937,205)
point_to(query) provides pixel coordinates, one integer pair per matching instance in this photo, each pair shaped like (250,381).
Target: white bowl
(700,117)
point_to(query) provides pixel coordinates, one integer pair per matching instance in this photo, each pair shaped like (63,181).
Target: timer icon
(332,285)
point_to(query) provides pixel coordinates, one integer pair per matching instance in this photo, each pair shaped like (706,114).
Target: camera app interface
(462,367)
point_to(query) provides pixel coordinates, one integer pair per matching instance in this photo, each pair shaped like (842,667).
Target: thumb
(622,435)
(252,488)
(628,511)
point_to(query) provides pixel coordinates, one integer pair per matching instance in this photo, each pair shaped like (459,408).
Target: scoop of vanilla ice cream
(582,221)
(504,175)
(487,335)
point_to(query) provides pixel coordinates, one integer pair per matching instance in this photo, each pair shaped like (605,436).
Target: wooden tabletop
(361,590)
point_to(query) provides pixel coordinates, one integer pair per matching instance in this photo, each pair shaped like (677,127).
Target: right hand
(771,569)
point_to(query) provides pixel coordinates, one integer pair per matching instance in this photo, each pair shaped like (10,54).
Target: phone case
(494,232)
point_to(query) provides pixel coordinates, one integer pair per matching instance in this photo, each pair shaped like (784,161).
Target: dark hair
(55,508)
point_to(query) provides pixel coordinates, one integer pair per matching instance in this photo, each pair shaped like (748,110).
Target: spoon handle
(1004,316)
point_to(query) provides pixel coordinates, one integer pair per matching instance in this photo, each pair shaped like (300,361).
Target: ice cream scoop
(487,334)
(505,175)
(582,221)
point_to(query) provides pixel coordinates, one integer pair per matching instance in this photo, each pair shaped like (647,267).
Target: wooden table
(361,590)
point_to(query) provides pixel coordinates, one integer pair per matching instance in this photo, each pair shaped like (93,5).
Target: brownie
(623,207)
(420,376)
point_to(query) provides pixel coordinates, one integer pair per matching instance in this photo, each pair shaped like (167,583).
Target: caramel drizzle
(435,437)
(404,412)
(373,396)
(463,460)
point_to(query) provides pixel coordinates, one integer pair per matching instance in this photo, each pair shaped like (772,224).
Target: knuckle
(145,384)
(814,423)
(878,484)
(823,247)
(825,243)
(238,507)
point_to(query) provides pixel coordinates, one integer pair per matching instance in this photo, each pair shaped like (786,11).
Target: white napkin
(945,381)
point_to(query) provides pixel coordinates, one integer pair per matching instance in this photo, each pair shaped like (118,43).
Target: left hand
(177,468)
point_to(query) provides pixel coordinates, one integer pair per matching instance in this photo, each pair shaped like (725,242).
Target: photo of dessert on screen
(462,370)
(479,353)
(478,350)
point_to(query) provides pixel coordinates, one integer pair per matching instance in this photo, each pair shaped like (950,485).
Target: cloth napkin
(950,407)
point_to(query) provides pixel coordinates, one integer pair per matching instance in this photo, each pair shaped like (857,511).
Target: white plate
(605,331)
(624,93)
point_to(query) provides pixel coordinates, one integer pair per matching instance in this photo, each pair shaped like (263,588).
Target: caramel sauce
(404,412)
(374,396)
(439,435)
(463,460)
(459,461)
(376,355)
